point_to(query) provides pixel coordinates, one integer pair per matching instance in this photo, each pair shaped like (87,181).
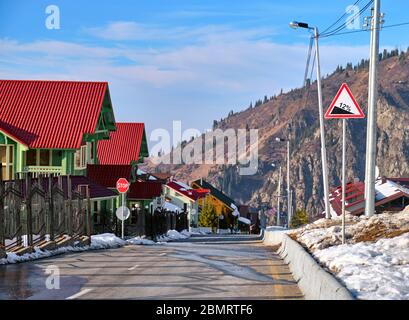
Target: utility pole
(278,198)
(288,183)
(322,134)
(370,162)
(295,25)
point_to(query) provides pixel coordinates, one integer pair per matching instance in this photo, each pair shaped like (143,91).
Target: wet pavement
(216,269)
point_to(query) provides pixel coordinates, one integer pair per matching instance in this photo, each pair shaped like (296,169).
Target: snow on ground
(245,220)
(374,262)
(100,241)
(140,241)
(371,270)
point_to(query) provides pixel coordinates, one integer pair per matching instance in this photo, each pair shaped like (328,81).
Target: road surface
(209,268)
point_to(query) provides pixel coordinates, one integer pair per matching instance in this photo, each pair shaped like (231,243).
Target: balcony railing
(43,169)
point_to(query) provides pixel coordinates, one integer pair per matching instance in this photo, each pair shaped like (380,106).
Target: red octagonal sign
(122,185)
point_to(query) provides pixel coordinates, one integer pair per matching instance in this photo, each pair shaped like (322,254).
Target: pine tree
(208,216)
(299,219)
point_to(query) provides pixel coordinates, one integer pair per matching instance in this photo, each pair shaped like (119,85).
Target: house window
(6,157)
(31,157)
(57,158)
(81,157)
(37,157)
(44,157)
(92,155)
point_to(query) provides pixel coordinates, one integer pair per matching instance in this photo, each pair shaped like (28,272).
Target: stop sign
(122,185)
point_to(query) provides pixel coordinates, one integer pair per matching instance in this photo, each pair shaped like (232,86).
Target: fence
(152,225)
(43,213)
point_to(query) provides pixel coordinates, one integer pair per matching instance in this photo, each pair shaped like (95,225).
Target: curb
(314,282)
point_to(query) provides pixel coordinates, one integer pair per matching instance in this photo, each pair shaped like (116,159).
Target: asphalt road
(202,269)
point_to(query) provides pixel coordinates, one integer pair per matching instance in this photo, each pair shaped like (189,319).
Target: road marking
(134,267)
(163,254)
(79,294)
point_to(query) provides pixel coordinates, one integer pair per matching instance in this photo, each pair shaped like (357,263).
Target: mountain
(295,115)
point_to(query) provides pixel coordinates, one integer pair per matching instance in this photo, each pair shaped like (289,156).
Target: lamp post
(296,25)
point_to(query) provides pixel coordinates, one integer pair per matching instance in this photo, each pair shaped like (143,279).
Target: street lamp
(296,25)
(288,177)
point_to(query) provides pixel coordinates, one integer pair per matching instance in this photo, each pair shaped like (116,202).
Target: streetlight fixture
(296,25)
(288,178)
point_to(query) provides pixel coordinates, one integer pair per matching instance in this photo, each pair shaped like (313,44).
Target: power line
(308,60)
(365,30)
(340,18)
(307,88)
(345,24)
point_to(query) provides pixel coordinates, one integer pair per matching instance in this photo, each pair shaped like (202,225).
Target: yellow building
(222,203)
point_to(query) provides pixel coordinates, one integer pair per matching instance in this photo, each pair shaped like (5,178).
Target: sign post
(122,185)
(344,106)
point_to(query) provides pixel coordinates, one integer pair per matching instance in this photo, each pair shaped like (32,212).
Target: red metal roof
(108,175)
(50,114)
(123,146)
(354,194)
(144,190)
(193,194)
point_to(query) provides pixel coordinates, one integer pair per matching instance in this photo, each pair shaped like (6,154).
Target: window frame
(9,164)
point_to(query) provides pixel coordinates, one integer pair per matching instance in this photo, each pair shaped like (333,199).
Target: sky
(190,61)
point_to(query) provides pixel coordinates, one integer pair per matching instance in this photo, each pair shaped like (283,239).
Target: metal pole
(343,178)
(372,114)
(288,184)
(369,116)
(321,115)
(123,212)
(278,198)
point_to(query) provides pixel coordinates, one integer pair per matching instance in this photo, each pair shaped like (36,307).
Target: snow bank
(244,220)
(374,262)
(377,270)
(175,235)
(140,241)
(100,241)
(106,241)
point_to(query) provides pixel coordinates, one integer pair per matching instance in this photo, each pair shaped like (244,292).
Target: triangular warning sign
(344,106)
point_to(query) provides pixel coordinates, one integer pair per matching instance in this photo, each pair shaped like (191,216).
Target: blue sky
(192,61)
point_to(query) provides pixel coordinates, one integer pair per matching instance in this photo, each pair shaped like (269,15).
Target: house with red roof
(52,127)
(186,198)
(118,157)
(391,194)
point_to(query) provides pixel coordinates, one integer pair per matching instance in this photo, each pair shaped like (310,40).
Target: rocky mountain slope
(295,115)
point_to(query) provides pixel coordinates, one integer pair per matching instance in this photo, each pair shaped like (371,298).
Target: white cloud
(225,70)
(133,31)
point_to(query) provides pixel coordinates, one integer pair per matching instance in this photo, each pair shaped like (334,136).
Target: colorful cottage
(186,198)
(52,127)
(118,157)
(391,194)
(222,203)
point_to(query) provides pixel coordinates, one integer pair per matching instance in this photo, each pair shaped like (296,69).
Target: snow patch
(374,262)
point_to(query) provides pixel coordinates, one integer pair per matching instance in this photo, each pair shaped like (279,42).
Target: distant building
(222,203)
(391,194)
(186,198)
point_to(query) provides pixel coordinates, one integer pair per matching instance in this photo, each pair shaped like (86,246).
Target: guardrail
(314,282)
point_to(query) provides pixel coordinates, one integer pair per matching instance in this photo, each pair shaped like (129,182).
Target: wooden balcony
(43,170)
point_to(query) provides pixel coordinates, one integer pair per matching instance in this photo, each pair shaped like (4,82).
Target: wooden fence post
(51,208)
(69,199)
(29,213)
(89,220)
(2,240)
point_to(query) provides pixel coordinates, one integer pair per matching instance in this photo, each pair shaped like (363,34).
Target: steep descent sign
(344,106)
